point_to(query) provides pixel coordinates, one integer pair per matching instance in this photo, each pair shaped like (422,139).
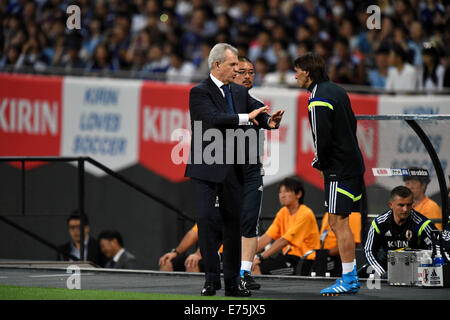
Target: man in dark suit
(111,244)
(217,108)
(72,248)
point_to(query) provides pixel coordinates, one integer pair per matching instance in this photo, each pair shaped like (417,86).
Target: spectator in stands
(103,60)
(94,38)
(198,29)
(415,44)
(111,244)
(202,60)
(70,56)
(328,241)
(176,260)
(418,185)
(294,231)
(140,45)
(398,228)
(180,70)
(346,30)
(262,48)
(261,70)
(283,76)
(118,42)
(303,34)
(32,54)
(91,246)
(11,58)
(345,67)
(187,24)
(324,49)
(402,76)
(378,75)
(433,72)
(157,61)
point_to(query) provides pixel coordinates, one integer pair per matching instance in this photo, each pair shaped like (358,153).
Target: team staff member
(329,242)
(338,159)
(423,204)
(400,227)
(253,184)
(295,232)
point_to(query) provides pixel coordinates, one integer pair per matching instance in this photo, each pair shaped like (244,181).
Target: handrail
(81,170)
(103,168)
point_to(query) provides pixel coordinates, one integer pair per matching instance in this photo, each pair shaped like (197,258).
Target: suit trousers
(223,225)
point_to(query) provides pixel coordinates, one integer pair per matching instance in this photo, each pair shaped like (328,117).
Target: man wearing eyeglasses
(253,183)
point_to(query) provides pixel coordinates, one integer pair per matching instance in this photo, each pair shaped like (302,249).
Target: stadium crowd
(170,39)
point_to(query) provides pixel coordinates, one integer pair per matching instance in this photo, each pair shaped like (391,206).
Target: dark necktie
(227,91)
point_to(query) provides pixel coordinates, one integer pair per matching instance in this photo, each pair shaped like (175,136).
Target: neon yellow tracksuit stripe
(424,225)
(348,194)
(374,224)
(320,104)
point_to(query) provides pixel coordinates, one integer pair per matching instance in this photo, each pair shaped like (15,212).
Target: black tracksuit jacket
(333,125)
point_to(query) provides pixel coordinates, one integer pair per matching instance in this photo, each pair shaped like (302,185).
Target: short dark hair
(110,235)
(244,59)
(295,185)
(401,191)
(399,52)
(314,64)
(75,215)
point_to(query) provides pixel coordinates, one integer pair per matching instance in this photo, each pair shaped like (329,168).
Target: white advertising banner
(400,147)
(280,145)
(100,120)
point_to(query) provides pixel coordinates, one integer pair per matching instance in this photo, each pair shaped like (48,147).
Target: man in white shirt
(180,70)
(402,76)
(283,76)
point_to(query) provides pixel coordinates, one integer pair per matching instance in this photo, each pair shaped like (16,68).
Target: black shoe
(210,289)
(237,291)
(248,282)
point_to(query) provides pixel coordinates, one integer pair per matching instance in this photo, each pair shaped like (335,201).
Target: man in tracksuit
(399,227)
(338,160)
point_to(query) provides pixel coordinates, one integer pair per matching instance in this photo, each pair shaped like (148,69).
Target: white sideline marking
(58,275)
(51,275)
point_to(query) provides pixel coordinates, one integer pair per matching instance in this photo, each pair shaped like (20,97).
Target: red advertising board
(367,138)
(163,109)
(30,116)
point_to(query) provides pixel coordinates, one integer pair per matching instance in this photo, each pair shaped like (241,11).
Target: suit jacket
(207,105)
(93,252)
(126,261)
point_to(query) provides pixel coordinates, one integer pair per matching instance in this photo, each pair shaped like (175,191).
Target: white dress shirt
(243,117)
(118,255)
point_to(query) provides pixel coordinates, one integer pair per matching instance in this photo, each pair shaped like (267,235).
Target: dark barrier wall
(148,229)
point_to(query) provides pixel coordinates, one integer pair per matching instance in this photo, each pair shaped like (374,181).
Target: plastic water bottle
(426,260)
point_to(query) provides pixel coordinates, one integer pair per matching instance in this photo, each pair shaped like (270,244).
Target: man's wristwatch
(175,250)
(260,256)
